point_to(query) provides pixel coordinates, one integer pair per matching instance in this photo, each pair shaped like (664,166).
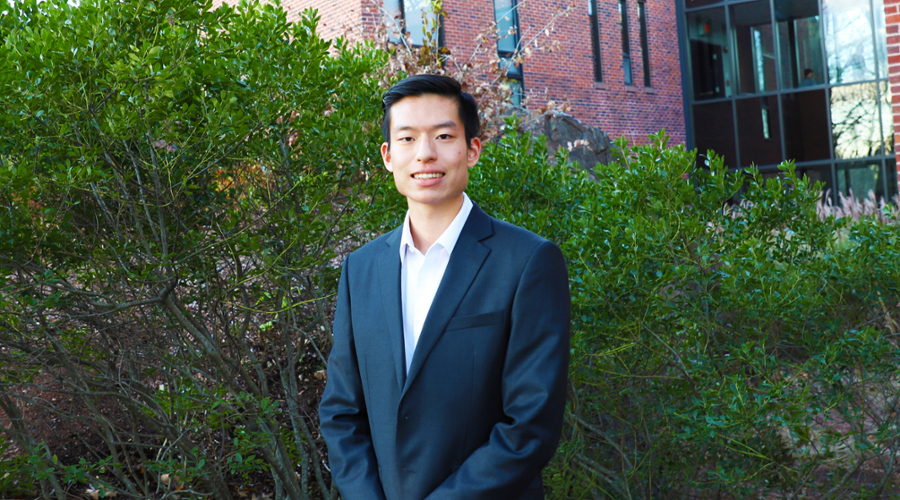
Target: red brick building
(631,109)
(757,81)
(603,99)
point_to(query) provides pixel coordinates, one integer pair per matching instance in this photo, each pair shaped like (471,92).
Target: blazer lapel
(389,270)
(465,262)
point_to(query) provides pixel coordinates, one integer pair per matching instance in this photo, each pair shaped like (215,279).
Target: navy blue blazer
(480,413)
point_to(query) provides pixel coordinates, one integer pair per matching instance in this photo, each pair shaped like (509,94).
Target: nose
(426,152)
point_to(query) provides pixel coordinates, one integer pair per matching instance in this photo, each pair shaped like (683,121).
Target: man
(447,378)
(809,78)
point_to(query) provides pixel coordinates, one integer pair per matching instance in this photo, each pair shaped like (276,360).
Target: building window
(645,44)
(822,97)
(595,39)
(507,18)
(416,17)
(709,53)
(626,50)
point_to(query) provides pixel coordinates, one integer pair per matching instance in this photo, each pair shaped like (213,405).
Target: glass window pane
(806,126)
(714,129)
(391,8)
(512,70)
(507,26)
(595,40)
(755,47)
(626,43)
(848,40)
(645,44)
(393,19)
(799,39)
(818,173)
(881,39)
(860,178)
(710,65)
(855,127)
(758,131)
(887,118)
(515,87)
(419,18)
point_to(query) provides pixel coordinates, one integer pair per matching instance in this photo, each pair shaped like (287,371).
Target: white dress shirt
(421,274)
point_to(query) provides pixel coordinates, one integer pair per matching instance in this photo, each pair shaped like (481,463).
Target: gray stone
(586,144)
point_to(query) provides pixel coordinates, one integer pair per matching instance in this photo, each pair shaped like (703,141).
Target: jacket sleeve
(533,388)
(343,418)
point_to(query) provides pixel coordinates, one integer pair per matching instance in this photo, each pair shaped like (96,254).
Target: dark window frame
(645,43)
(594,19)
(808,140)
(513,72)
(626,43)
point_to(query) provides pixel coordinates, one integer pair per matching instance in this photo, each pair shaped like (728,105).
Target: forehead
(424,112)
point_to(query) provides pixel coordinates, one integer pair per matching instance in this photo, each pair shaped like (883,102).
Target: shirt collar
(447,240)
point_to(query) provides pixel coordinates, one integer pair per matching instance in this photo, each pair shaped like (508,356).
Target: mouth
(429,175)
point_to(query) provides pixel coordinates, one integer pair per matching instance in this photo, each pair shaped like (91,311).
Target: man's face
(428,154)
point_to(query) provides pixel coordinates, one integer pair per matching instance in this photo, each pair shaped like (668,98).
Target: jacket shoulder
(519,236)
(374,247)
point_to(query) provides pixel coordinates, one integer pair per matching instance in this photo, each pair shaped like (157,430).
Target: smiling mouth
(428,175)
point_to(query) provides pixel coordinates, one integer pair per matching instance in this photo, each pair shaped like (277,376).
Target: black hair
(807,71)
(418,85)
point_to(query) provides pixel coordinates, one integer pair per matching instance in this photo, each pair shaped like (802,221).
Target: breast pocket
(476,320)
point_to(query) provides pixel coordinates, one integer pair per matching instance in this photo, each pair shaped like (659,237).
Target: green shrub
(176,183)
(717,350)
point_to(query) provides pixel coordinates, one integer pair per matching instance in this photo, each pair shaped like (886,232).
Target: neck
(428,222)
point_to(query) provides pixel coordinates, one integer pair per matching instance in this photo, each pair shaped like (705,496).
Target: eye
(444,136)
(404,139)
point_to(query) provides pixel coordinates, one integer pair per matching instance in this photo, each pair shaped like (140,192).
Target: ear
(474,152)
(386,157)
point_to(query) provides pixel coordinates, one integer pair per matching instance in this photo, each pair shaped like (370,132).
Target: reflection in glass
(806,125)
(802,64)
(860,178)
(393,19)
(855,127)
(887,118)
(507,26)
(626,44)
(880,39)
(818,173)
(710,68)
(758,131)
(714,129)
(755,46)
(516,90)
(419,17)
(848,40)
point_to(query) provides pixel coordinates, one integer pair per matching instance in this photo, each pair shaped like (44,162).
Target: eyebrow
(446,124)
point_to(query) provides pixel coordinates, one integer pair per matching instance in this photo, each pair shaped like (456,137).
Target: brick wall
(337,17)
(892,19)
(567,74)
